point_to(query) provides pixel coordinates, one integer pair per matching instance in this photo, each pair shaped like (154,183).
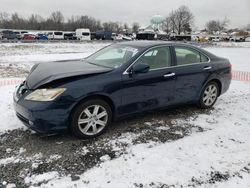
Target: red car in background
(29,37)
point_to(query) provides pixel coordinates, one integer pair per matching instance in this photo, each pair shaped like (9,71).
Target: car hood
(44,73)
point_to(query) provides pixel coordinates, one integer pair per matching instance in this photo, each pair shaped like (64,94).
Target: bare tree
(179,21)
(34,22)
(113,27)
(135,27)
(4,20)
(183,19)
(167,25)
(217,25)
(125,28)
(56,18)
(212,26)
(17,21)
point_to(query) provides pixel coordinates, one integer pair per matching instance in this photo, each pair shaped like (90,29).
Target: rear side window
(156,58)
(185,56)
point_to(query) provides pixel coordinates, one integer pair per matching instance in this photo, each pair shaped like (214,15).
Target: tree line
(56,21)
(179,21)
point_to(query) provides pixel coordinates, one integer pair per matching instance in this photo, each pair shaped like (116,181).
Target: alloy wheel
(93,120)
(210,95)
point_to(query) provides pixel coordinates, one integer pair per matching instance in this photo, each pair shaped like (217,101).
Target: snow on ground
(8,119)
(221,151)
(223,147)
(41,52)
(18,49)
(232,44)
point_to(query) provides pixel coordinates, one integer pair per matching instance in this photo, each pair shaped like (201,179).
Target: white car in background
(55,35)
(119,37)
(83,34)
(216,39)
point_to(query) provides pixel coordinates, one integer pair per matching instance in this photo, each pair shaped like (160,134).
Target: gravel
(30,154)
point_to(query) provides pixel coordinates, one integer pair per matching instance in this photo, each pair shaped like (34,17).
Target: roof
(145,43)
(148,43)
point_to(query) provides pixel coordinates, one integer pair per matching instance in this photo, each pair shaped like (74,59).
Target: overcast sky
(238,11)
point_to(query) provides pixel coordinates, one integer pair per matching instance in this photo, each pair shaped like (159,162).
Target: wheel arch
(105,98)
(216,80)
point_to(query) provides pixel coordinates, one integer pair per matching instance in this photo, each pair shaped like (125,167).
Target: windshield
(85,34)
(112,56)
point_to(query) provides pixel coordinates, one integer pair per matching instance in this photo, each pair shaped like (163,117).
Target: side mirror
(140,68)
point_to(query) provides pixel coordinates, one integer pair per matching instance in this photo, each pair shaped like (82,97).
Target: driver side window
(156,58)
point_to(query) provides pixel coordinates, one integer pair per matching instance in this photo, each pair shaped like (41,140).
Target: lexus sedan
(117,81)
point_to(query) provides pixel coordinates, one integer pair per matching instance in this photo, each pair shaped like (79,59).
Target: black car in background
(8,34)
(120,80)
(103,35)
(70,36)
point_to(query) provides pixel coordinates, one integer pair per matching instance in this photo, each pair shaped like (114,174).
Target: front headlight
(45,94)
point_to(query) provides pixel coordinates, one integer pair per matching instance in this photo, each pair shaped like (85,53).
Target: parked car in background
(8,34)
(28,36)
(237,39)
(119,37)
(92,35)
(23,32)
(55,35)
(145,36)
(119,80)
(113,36)
(41,36)
(103,35)
(126,37)
(18,35)
(69,36)
(215,39)
(83,34)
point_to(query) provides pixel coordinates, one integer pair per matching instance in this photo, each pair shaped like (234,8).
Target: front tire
(209,95)
(91,118)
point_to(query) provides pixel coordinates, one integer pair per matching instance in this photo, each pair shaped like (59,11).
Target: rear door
(192,69)
(146,91)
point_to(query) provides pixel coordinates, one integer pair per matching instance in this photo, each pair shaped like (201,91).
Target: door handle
(207,68)
(169,75)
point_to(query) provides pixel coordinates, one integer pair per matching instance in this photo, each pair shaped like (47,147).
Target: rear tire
(91,118)
(209,95)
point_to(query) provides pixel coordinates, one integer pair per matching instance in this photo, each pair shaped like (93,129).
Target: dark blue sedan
(119,80)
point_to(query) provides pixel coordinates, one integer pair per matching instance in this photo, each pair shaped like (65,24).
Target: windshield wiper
(98,65)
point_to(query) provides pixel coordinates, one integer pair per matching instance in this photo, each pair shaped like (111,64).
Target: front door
(146,91)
